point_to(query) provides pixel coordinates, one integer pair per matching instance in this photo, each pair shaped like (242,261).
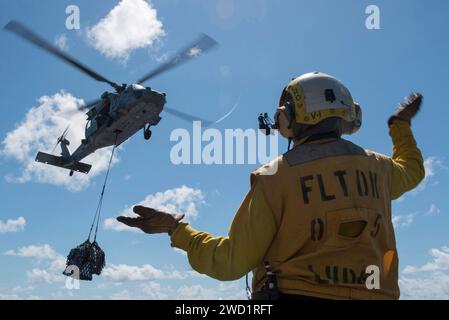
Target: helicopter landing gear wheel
(147,133)
(71,173)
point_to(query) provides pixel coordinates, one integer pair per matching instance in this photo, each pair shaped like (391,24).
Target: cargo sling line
(88,258)
(100,201)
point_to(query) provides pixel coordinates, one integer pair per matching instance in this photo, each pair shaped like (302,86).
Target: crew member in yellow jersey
(316,223)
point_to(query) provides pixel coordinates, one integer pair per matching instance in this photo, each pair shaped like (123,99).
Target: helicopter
(117,115)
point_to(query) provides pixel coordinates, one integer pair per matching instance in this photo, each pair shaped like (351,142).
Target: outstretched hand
(152,221)
(407,109)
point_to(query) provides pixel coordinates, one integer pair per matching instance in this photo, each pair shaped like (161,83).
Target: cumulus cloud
(181,200)
(142,281)
(42,275)
(39,130)
(403,220)
(124,272)
(51,261)
(440,262)
(429,281)
(431,165)
(130,25)
(42,252)
(433,286)
(12,225)
(223,291)
(154,290)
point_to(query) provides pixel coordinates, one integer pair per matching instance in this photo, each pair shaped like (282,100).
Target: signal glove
(152,220)
(407,109)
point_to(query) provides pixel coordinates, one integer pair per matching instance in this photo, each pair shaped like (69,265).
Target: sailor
(318,217)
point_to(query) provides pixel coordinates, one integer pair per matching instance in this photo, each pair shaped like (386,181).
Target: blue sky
(262,45)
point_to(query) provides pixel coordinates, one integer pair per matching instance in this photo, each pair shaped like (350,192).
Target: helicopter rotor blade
(61,137)
(196,48)
(82,108)
(89,104)
(65,132)
(187,117)
(27,34)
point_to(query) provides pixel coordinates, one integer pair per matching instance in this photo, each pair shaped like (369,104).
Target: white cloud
(61,42)
(5,296)
(403,220)
(42,252)
(154,290)
(440,262)
(12,225)
(429,281)
(433,210)
(431,286)
(431,166)
(131,24)
(39,132)
(124,272)
(19,289)
(223,291)
(178,200)
(124,295)
(54,262)
(42,275)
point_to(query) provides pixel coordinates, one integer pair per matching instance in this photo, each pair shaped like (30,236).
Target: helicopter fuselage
(118,116)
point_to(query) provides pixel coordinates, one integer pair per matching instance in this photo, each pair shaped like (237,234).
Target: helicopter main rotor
(32,37)
(199,46)
(202,44)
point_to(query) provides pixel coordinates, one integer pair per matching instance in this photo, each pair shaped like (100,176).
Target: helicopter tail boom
(60,162)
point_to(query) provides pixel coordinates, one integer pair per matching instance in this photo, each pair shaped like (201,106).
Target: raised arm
(407,160)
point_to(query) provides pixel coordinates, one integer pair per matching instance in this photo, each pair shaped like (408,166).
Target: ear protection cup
(283,121)
(354,126)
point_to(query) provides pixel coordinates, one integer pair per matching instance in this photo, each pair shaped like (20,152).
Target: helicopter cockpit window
(88,124)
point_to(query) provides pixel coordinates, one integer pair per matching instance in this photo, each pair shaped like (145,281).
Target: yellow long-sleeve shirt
(254,226)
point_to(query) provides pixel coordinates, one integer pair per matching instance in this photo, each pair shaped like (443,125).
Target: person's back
(332,204)
(317,220)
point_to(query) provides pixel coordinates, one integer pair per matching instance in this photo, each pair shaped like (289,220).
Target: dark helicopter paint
(117,115)
(130,111)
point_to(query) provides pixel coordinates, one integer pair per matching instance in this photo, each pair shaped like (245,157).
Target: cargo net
(88,258)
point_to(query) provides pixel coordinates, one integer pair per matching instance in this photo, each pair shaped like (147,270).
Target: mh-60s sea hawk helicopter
(115,117)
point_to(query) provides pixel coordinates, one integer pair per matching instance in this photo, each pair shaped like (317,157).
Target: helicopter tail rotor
(64,161)
(62,139)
